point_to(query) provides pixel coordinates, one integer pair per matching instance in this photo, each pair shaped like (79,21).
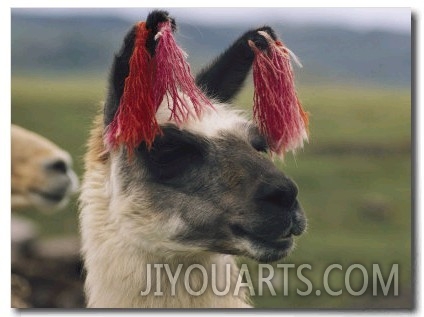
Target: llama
(204,193)
(41,177)
(42,174)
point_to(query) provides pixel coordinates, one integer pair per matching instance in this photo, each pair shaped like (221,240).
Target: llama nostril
(57,166)
(282,195)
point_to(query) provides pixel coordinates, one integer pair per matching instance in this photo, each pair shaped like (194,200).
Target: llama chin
(201,194)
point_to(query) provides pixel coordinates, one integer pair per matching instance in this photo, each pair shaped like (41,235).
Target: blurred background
(354,175)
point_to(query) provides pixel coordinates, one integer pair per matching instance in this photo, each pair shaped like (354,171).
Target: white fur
(122,233)
(212,121)
(116,254)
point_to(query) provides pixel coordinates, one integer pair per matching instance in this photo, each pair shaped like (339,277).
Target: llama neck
(118,271)
(151,281)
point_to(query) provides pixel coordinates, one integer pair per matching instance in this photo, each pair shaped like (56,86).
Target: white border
(5,133)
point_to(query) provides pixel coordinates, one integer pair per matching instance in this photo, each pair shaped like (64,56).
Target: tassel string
(135,117)
(277,109)
(174,77)
(150,80)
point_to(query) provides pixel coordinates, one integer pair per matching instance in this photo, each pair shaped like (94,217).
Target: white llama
(203,194)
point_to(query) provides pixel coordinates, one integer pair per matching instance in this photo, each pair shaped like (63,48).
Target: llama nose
(299,222)
(57,165)
(281,194)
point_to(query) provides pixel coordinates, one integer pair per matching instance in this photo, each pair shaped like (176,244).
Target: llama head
(205,184)
(42,174)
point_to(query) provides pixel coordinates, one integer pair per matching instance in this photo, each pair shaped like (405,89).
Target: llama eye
(259,144)
(173,155)
(257,140)
(171,161)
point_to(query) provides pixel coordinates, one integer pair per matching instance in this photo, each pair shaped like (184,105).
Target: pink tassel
(174,79)
(277,109)
(135,119)
(149,80)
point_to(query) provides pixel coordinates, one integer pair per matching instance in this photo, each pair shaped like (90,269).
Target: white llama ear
(150,66)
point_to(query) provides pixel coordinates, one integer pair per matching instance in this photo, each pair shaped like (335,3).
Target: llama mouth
(283,243)
(53,197)
(267,251)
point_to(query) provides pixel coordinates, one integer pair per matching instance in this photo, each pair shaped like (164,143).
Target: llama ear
(149,66)
(277,109)
(224,77)
(121,63)
(120,70)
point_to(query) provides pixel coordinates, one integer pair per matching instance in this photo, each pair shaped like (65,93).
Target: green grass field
(354,178)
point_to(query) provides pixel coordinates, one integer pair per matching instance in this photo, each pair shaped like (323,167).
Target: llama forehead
(31,146)
(212,122)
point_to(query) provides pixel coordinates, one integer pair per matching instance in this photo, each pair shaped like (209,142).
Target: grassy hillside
(354,178)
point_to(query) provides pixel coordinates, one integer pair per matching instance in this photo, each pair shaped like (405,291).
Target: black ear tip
(269,30)
(260,41)
(157,16)
(153,19)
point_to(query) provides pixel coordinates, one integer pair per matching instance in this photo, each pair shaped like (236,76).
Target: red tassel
(174,79)
(277,109)
(135,119)
(148,81)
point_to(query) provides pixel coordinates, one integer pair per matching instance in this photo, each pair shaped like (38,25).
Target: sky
(363,19)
